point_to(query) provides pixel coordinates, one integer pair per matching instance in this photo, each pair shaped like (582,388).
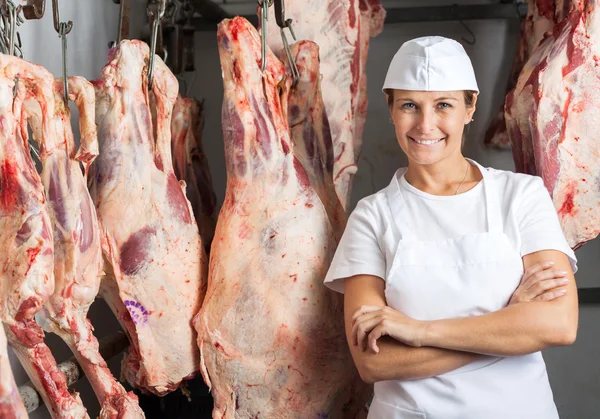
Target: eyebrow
(407,99)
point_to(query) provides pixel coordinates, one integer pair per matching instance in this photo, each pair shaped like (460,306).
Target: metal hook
(283,23)
(12,19)
(57,22)
(124,19)
(156,10)
(473,39)
(63,28)
(34,9)
(264,18)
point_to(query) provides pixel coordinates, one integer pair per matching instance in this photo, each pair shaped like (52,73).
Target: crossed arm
(445,345)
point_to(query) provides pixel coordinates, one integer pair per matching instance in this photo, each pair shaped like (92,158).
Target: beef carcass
(191,165)
(372,18)
(11,405)
(156,270)
(271,335)
(309,130)
(541,17)
(77,252)
(26,271)
(496,135)
(554,116)
(342,30)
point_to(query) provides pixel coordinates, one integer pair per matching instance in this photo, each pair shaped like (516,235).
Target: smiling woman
(455,276)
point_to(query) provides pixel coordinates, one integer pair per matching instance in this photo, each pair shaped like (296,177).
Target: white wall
(573,371)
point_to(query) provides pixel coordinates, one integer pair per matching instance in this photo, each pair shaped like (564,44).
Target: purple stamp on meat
(138,313)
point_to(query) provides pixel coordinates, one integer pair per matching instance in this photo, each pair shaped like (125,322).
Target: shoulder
(375,209)
(513,187)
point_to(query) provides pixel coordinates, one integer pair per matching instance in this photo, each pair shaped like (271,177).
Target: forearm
(515,330)
(396,361)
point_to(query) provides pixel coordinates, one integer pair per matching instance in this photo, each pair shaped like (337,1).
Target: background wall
(574,371)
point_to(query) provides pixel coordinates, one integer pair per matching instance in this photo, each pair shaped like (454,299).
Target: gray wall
(574,371)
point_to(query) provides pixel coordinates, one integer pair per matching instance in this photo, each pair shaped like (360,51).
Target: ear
(387,102)
(471,110)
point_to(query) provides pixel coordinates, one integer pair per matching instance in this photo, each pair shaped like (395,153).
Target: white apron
(458,277)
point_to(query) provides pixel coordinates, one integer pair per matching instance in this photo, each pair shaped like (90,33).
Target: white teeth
(427,142)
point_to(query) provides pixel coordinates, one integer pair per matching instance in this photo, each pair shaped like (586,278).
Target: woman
(455,276)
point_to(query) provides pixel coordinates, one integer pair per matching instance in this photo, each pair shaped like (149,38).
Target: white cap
(431,63)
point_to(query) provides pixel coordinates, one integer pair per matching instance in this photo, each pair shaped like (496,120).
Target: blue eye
(444,105)
(408,105)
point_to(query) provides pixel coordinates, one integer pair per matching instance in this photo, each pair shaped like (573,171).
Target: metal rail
(410,14)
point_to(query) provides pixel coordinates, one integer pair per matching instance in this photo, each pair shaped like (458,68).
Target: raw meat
(496,135)
(26,271)
(372,17)
(542,15)
(553,116)
(271,335)
(77,252)
(11,405)
(310,133)
(156,270)
(191,165)
(342,30)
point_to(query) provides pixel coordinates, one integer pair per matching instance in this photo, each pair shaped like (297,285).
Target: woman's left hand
(369,323)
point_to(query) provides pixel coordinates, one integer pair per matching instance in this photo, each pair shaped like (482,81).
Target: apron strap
(396,203)
(492,201)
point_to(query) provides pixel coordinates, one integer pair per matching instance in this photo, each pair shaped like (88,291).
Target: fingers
(539,283)
(364,310)
(375,334)
(544,285)
(544,275)
(535,268)
(362,326)
(551,295)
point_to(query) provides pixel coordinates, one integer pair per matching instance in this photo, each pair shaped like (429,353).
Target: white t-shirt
(369,242)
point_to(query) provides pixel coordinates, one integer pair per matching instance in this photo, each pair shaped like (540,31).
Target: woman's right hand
(540,283)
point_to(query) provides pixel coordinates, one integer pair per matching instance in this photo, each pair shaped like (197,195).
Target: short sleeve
(538,222)
(359,251)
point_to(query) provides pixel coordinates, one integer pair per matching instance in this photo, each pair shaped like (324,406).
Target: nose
(426,121)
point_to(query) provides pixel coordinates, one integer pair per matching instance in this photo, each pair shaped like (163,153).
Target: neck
(441,178)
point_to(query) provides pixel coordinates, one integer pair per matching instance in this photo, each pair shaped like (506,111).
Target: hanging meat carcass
(309,130)
(553,116)
(11,405)
(191,165)
(156,270)
(542,15)
(77,252)
(342,30)
(271,335)
(26,270)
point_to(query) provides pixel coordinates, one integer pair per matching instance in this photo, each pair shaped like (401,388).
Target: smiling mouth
(426,142)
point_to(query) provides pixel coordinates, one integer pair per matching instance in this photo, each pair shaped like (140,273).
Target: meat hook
(473,39)
(264,18)
(283,23)
(63,28)
(34,9)
(156,10)
(11,18)
(124,18)
(58,23)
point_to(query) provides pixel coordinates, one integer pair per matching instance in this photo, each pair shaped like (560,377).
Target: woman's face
(429,125)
